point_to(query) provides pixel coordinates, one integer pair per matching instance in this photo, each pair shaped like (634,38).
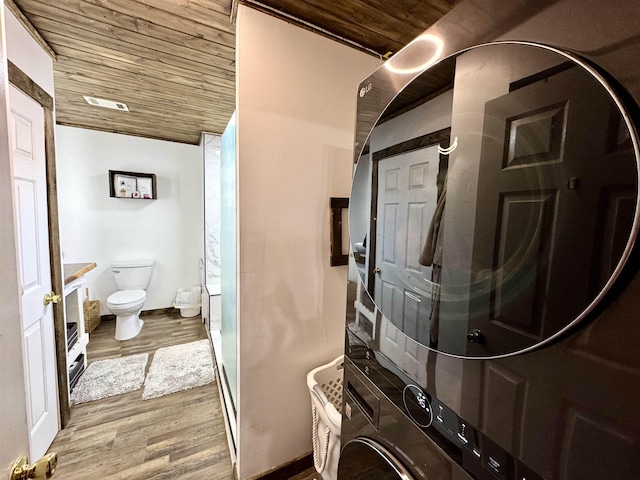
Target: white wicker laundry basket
(325,388)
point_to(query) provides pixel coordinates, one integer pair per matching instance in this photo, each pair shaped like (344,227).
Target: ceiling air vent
(101,102)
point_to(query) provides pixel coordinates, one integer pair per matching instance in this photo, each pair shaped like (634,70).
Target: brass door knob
(43,468)
(377,270)
(51,298)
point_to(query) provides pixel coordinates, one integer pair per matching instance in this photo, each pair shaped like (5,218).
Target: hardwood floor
(309,474)
(178,436)
(158,331)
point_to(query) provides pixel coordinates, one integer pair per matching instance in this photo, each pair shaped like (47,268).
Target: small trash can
(189,301)
(325,388)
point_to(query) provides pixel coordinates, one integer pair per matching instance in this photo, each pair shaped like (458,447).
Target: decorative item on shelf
(132,185)
(91,314)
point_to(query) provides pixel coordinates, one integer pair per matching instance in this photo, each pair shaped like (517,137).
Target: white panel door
(407,197)
(26,132)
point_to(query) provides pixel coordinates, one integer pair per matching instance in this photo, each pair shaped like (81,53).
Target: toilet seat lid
(126,296)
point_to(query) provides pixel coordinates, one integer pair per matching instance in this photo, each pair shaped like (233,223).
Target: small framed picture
(145,187)
(125,185)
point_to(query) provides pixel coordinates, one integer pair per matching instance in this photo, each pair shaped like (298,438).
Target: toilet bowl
(132,279)
(126,305)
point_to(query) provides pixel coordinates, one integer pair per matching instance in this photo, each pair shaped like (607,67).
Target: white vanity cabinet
(76,337)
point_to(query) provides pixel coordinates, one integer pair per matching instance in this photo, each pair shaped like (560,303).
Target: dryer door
(363,458)
(504,229)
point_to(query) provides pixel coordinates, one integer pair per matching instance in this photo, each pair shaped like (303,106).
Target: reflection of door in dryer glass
(554,210)
(541,191)
(407,197)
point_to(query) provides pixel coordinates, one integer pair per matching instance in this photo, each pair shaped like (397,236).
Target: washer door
(363,458)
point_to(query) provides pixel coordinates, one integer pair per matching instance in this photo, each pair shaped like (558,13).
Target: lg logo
(364,90)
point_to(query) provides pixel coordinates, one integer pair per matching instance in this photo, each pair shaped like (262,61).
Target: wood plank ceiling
(382,27)
(173,61)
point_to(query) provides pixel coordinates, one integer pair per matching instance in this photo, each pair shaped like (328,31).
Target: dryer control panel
(476,453)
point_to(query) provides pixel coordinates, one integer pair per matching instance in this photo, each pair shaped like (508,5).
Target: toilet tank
(132,274)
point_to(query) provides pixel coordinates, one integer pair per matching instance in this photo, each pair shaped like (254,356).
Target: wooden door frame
(22,82)
(439,137)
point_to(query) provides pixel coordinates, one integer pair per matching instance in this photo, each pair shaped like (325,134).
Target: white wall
(27,54)
(97,228)
(296,116)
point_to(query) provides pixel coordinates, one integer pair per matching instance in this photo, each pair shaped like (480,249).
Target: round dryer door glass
(495,202)
(364,459)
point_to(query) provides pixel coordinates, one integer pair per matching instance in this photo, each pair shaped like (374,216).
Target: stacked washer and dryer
(494,333)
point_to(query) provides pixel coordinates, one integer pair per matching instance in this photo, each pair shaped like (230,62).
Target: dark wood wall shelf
(134,185)
(337,205)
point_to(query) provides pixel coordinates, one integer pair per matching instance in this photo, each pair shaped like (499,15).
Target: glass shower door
(228,252)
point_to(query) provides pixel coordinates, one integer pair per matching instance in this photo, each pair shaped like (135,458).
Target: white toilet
(132,278)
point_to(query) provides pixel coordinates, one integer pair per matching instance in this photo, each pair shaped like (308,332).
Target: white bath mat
(106,378)
(179,368)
